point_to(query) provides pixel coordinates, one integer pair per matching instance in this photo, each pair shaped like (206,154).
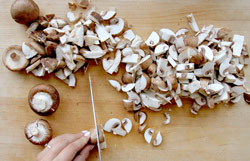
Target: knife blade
(93,108)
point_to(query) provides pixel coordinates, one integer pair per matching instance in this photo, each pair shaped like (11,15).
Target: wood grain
(222,134)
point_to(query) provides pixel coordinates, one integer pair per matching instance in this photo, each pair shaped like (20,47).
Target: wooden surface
(218,135)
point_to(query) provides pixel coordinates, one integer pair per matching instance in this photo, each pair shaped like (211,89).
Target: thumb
(84,153)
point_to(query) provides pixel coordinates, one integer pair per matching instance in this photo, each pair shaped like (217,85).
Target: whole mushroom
(14,59)
(38,132)
(24,11)
(44,99)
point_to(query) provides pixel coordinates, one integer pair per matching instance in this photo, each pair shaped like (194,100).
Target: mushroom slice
(181,32)
(38,132)
(60,74)
(72,17)
(39,72)
(194,86)
(238,44)
(214,88)
(44,99)
(237,90)
(116,63)
(127,124)
(128,87)
(158,139)
(127,51)
(167,35)
(150,101)
(146,62)
(117,27)
(33,66)
(177,99)
(134,97)
(208,69)
(140,117)
(108,15)
(162,67)
(166,122)
(141,84)
(128,105)
(132,59)
(39,48)
(185,67)
(115,84)
(137,42)
(91,40)
(173,52)
(129,34)
(200,100)
(247,97)
(195,108)
(148,134)
(191,41)
(192,23)
(128,78)
(72,80)
(102,32)
(224,66)
(28,50)
(123,43)
(96,17)
(49,64)
(83,3)
(32,27)
(185,75)
(94,54)
(76,35)
(208,53)
(153,39)
(65,51)
(93,135)
(14,59)
(161,49)
(114,125)
(142,127)
(179,42)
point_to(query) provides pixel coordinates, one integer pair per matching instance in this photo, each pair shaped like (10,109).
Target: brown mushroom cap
(38,132)
(47,90)
(93,135)
(14,59)
(24,11)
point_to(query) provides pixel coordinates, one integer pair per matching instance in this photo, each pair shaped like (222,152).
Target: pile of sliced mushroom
(204,64)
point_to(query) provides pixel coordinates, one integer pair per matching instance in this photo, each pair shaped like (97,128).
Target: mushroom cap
(14,59)
(24,11)
(38,132)
(47,91)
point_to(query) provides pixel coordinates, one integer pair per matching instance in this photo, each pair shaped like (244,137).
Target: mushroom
(161,49)
(142,127)
(153,39)
(72,5)
(247,97)
(192,23)
(128,87)
(166,122)
(207,52)
(191,41)
(208,69)
(146,62)
(82,3)
(49,64)
(43,99)
(114,125)
(140,117)
(108,15)
(96,17)
(238,45)
(158,139)
(28,50)
(129,34)
(167,35)
(115,84)
(133,97)
(127,124)
(93,135)
(38,132)
(148,134)
(117,26)
(128,105)
(24,11)
(128,78)
(14,59)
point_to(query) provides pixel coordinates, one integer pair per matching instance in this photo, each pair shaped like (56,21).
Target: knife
(93,108)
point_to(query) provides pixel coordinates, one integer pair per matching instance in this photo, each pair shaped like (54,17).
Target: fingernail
(84,132)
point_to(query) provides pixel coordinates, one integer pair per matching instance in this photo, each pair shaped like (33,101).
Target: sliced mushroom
(49,64)
(140,117)
(28,50)
(208,69)
(192,23)
(167,35)
(129,34)
(128,87)
(38,132)
(93,135)
(153,39)
(146,62)
(134,97)
(108,15)
(14,59)
(114,125)
(158,139)
(238,44)
(161,49)
(43,99)
(115,84)
(127,124)
(208,53)
(33,66)
(148,134)
(128,105)
(247,97)
(166,122)
(117,28)
(142,127)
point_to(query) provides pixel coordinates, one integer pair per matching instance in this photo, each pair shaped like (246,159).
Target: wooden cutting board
(219,134)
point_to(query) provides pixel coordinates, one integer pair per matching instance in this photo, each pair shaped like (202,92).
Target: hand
(67,147)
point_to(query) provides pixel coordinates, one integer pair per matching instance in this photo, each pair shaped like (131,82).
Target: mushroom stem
(34,131)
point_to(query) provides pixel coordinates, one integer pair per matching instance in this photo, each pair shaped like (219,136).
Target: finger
(58,144)
(70,151)
(83,155)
